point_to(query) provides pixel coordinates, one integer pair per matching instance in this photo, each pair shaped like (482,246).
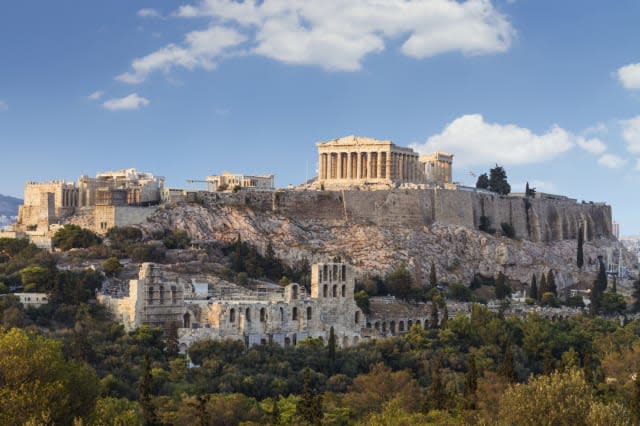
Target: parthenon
(356,161)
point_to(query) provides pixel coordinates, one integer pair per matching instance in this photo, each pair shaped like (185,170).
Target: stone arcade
(270,315)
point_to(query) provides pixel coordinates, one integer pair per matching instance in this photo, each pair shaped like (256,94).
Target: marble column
(349,166)
(379,165)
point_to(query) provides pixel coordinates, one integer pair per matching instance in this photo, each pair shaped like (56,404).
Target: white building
(229,181)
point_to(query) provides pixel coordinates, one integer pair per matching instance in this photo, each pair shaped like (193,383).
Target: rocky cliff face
(376,243)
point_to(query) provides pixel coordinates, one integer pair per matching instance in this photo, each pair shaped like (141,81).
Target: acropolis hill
(374,204)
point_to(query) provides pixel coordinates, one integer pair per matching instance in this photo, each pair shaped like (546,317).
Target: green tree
(580,251)
(502,290)
(433,277)
(362,300)
(551,282)
(145,394)
(331,349)
(72,236)
(177,239)
(433,322)
(309,407)
(508,230)
(635,399)
(507,369)
(36,278)
(172,339)
(111,266)
(635,307)
(37,383)
(533,290)
(399,281)
(483,181)
(437,392)
(471,383)
(498,181)
(612,303)
(544,287)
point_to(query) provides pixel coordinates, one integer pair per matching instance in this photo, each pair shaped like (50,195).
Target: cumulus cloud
(594,146)
(200,49)
(131,102)
(3,106)
(631,134)
(338,35)
(629,76)
(611,161)
(96,95)
(148,13)
(475,141)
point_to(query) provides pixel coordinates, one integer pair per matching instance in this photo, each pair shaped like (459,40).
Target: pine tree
(145,394)
(309,407)
(433,278)
(551,282)
(498,180)
(533,291)
(580,254)
(275,413)
(587,368)
(547,362)
(483,181)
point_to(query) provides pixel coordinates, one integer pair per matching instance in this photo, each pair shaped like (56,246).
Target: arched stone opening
(186,320)
(344,290)
(232,315)
(294,314)
(335,291)
(309,313)
(263,315)
(247,314)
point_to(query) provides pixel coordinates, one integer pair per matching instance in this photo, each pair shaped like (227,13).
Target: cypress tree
(433,278)
(507,369)
(580,254)
(445,316)
(437,392)
(547,362)
(331,349)
(501,287)
(543,286)
(635,307)
(172,340)
(145,394)
(533,291)
(602,276)
(551,282)
(309,407)
(471,383)
(635,399)
(434,315)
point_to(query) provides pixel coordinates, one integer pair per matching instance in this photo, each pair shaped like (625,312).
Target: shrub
(111,266)
(508,230)
(72,236)
(485,225)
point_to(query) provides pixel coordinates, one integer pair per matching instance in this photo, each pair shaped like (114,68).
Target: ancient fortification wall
(533,219)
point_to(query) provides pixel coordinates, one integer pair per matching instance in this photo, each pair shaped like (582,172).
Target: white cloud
(631,134)
(96,95)
(629,76)
(597,129)
(474,141)
(338,35)
(3,106)
(133,101)
(594,146)
(637,168)
(200,50)
(148,13)
(611,161)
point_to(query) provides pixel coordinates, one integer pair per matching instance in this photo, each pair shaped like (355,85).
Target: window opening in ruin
(232,315)
(409,324)
(294,314)
(151,295)
(325,290)
(287,341)
(401,326)
(377,325)
(281,314)
(335,272)
(335,291)
(344,290)
(384,327)
(174,298)
(309,313)
(357,317)
(186,320)
(324,268)
(344,272)
(392,327)
(247,314)
(263,315)
(418,323)
(161,291)
(263,341)
(294,292)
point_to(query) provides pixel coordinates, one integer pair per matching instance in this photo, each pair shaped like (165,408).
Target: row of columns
(368,165)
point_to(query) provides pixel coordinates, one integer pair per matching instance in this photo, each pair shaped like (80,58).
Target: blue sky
(549,89)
